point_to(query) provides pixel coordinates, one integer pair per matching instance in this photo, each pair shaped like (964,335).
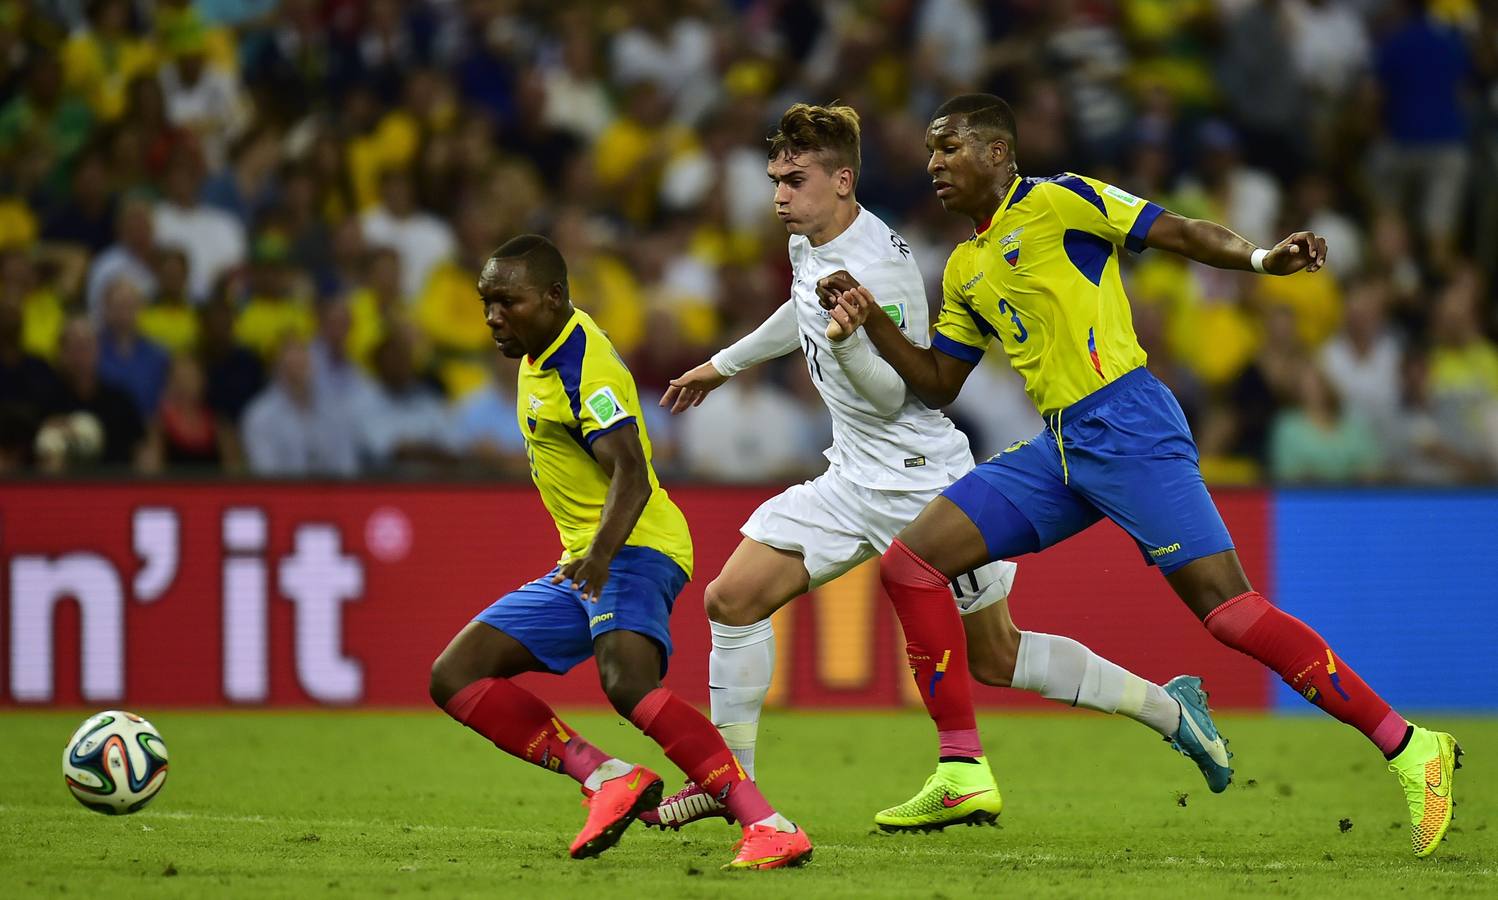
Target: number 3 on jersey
(1021,335)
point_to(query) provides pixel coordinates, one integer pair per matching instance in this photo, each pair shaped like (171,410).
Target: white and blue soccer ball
(115,762)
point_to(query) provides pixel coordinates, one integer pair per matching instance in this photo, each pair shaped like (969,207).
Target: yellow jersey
(1042,276)
(568,396)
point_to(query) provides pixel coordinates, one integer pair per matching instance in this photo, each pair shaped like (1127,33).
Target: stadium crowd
(243,235)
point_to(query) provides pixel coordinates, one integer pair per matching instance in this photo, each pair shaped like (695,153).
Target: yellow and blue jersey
(568,396)
(1042,276)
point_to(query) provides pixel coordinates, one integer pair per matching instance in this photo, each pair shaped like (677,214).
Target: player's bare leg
(1218,592)
(756,581)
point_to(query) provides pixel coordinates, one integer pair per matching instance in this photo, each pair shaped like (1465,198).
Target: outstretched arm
(1217,246)
(776,336)
(932,376)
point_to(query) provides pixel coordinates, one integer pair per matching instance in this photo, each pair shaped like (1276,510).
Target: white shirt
(213,240)
(915,447)
(421,240)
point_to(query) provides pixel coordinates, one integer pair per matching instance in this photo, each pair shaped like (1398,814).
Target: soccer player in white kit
(890,456)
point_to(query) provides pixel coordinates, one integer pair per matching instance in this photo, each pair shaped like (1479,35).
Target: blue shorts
(558,626)
(1125,452)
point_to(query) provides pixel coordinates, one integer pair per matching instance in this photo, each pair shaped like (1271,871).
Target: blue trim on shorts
(559,627)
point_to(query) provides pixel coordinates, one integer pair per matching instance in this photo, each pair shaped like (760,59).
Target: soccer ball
(115,762)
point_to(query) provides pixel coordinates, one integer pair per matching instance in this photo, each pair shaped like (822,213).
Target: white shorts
(835,525)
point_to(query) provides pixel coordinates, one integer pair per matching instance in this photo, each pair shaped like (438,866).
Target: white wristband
(1257,260)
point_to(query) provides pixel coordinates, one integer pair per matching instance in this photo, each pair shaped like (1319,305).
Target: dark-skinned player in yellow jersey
(626,555)
(1040,275)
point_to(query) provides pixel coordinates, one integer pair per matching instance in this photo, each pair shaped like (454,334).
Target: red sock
(521,724)
(1249,624)
(694,745)
(936,646)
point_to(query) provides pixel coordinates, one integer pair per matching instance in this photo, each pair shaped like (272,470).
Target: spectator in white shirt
(289,430)
(1364,359)
(421,239)
(132,256)
(213,239)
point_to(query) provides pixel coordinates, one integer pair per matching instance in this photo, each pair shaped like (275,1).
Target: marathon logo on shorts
(1166,550)
(915,462)
(601,617)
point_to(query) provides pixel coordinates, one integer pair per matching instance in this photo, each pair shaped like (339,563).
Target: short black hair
(986,112)
(544,265)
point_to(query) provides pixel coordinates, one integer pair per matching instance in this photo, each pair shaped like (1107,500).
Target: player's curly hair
(830,130)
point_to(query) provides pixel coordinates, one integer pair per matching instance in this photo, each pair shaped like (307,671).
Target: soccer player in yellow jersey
(626,555)
(1040,275)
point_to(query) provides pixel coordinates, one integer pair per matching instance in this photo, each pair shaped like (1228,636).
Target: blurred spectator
(170,319)
(279,299)
(1316,441)
(335,376)
(633,152)
(43,116)
(132,255)
(213,239)
(126,360)
(41,308)
(89,421)
(84,214)
(448,311)
(1429,441)
(28,386)
(1423,69)
(288,430)
(667,46)
(577,100)
(1259,81)
(247,186)
(233,371)
(202,98)
(1463,359)
(405,426)
(187,433)
(1243,198)
(421,239)
(486,429)
(376,303)
(1363,360)
(748,431)
(101,58)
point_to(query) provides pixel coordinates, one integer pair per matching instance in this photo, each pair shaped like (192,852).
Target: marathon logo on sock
(717,773)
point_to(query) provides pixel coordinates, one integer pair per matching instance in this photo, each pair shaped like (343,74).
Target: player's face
(966,170)
(806,193)
(520,315)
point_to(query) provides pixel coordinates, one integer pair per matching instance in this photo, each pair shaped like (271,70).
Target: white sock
(1059,668)
(738,678)
(609,768)
(778,822)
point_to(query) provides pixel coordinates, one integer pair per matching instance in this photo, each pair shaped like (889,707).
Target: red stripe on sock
(1250,624)
(694,745)
(936,645)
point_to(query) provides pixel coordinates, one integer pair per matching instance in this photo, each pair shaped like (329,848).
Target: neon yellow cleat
(1424,768)
(957,794)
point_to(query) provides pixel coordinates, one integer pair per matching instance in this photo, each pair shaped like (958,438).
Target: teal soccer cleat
(1197,736)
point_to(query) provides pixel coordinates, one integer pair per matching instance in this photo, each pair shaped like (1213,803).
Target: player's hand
(691,389)
(830,286)
(587,574)
(849,312)
(1301,250)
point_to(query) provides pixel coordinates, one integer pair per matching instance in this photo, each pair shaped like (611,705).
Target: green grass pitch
(330,804)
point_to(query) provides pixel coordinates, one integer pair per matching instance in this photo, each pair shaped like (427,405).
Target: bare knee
(625,686)
(993,662)
(446,680)
(727,605)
